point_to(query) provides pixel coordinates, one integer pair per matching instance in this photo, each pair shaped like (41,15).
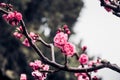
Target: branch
(49,46)
(59,66)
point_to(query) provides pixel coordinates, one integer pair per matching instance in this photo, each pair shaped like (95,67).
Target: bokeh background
(90,24)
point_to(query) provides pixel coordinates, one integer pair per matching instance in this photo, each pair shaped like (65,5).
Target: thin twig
(66,61)
(49,46)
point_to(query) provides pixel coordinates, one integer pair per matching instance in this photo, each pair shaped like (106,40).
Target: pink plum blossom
(13,18)
(36,65)
(83,59)
(3,4)
(60,39)
(33,36)
(23,77)
(68,49)
(20,29)
(18,35)
(46,67)
(38,75)
(83,76)
(95,78)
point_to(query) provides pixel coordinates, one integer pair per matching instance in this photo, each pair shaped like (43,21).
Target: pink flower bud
(23,77)
(26,42)
(20,29)
(3,4)
(84,48)
(95,78)
(83,59)
(65,26)
(46,67)
(17,35)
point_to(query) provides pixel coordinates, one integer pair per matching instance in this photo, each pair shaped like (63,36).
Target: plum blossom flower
(37,75)
(83,59)
(13,18)
(23,77)
(3,4)
(18,35)
(36,65)
(60,39)
(83,76)
(46,67)
(33,37)
(95,78)
(20,29)
(68,49)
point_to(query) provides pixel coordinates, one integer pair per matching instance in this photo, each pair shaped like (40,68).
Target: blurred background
(89,23)
(43,17)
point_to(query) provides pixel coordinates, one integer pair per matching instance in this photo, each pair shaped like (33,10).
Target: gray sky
(100,31)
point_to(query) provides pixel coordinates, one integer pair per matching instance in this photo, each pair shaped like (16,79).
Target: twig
(49,46)
(49,71)
(66,61)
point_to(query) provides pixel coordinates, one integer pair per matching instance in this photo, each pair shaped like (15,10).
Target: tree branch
(59,66)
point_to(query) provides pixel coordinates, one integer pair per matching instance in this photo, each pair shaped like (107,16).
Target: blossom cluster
(13,18)
(85,76)
(37,66)
(61,41)
(18,34)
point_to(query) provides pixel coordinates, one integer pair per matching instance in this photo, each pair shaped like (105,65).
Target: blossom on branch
(33,37)
(68,49)
(13,18)
(60,39)
(83,59)
(3,4)
(18,35)
(37,66)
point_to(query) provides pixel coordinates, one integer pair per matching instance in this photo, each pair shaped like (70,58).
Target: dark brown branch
(66,61)
(59,66)
(49,71)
